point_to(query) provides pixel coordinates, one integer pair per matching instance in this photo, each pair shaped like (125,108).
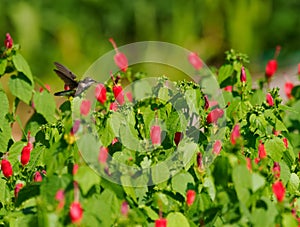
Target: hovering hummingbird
(72,86)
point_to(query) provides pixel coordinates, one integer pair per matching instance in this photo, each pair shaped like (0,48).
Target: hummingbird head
(84,84)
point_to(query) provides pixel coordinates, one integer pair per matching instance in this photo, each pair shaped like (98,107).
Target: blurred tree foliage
(76,32)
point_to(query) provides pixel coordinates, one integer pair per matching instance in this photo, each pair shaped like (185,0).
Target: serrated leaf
(45,105)
(285,172)
(176,219)
(20,87)
(22,66)
(209,184)
(180,182)
(293,183)
(275,148)
(86,178)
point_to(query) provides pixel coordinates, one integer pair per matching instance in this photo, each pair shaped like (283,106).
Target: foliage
(234,186)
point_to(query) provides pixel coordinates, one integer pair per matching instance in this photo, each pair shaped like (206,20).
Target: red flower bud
(217,147)
(199,161)
(271,68)
(75,127)
(120,58)
(161,222)
(129,96)
(261,151)
(85,107)
(6,168)
(60,197)
(235,134)
(249,164)
(190,197)
(299,69)
(276,170)
(288,87)
(103,155)
(178,137)
(119,94)
(124,208)
(195,61)
(214,115)
(228,88)
(278,190)
(76,212)
(37,177)
(269,99)
(155,134)
(206,103)
(47,86)
(75,168)
(113,106)
(285,141)
(243,77)
(17,189)
(100,93)
(115,140)
(25,154)
(8,41)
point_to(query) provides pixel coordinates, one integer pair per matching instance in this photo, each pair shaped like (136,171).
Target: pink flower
(278,190)
(271,68)
(190,197)
(155,134)
(129,96)
(288,87)
(228,88)
(18,187)
(161,222)
(249,164)
(243,77)
(261,151)
(269,99)
(75,127)
(8,42)
(85,107)
(37,177)
(113,106)
(276,170)
(103,155)
(75,168)
(100,93)
(195,61)
(178,137)
(120,58)
(115,140)
(285,141)
(76,212)
(6,168)
(214,115)
(119,94)
(124,208)
(217,147)
(235,134)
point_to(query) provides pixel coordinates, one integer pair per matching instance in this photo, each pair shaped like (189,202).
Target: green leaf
(45,105)
(180,182)
(160,173)
(293,183)
(20,87)
(86,178)
(209,184)
(289,220)
(5,134)
(285,173)
(257,181)
(275,148)
(3,189)
(225,72)
(127,185)
(176,219)
(27,192)
(3,64)
(151,213)
(242,181)
(22,66)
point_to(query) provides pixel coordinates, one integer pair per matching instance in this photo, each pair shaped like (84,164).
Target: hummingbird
(72,86)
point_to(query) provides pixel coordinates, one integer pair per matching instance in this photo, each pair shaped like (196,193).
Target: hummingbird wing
(66,75)
(65,93)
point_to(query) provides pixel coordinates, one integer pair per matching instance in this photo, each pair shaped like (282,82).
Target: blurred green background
(76,32)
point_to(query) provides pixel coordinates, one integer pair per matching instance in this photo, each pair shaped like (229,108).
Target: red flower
(25,154)
(17,189)
(243,77)
(190,197)
(6,168)
(37,177)
(228,88)
(261,151)
(76,212)
(269,99)
(8,42)
(217,147)
(161,222)
(235,134)
(75,168)
(120,58)
(85,107)
(60,197)
(129,96)
(288,87)
(103,155)
(276,170)
(155,134)
(278,190)
(113,106)
(195,61)
(178,137)
(285,141)
(214,115)
(100,93)
(119,94)
(271,68)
